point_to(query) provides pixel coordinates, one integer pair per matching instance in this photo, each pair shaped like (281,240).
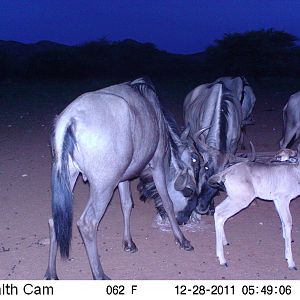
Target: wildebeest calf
(244,182)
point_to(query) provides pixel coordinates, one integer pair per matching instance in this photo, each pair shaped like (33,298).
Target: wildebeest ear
(180,181)
(185,133)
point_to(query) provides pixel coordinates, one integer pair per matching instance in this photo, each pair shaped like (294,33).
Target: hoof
(225,265)
(211,212)
(293,268)
(132,248)
(102,277)
(186,245)
(50,277)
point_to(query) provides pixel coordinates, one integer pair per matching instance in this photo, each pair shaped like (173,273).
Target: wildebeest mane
(143,85)
(245,83)
(227,102)
(146,186)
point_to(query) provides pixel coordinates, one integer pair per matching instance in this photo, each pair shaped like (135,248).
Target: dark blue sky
(185,26)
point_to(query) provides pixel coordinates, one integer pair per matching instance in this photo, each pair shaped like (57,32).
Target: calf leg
(225,210)
(88,222)
(159,178)
(127,203)
(283,210)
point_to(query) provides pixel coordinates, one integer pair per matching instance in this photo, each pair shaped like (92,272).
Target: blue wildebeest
(184,203)
(291,120)
(110,136)
(214,115)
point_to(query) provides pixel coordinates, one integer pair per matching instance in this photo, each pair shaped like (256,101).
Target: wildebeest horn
(199,143)
(253,152)
(236,159)
(185,133)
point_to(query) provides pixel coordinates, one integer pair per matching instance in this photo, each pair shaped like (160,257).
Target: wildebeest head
(187,169)
(183,165)
(214,161)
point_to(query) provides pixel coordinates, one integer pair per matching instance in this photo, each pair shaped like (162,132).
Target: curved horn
(185,133)
(236,159)
(203,147)
(196,136)
(253,152)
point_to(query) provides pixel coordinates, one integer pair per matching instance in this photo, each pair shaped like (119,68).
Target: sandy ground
(256,248)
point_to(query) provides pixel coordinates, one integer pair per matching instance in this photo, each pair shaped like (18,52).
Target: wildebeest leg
(283,210)
(211,209)
(88,223)
(51,270)
(225,210)
(127,203)
(289,131)
(159,178)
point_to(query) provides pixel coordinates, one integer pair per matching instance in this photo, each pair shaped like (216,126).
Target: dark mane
(245,83)
(148,191)
(143,85)
(226,109)
(146,185)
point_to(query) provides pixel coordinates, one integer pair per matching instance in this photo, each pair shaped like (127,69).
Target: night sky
(186,26)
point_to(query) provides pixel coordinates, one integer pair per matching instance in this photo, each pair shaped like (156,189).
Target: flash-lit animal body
(215,108)
(246,181)
(110,136)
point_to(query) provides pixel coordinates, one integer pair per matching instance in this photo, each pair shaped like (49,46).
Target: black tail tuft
(62,197)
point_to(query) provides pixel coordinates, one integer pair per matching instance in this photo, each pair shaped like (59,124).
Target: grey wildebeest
(213,107)
(291,120)
(110,136)
(246,181)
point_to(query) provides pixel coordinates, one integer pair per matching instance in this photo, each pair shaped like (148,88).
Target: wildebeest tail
(63,144)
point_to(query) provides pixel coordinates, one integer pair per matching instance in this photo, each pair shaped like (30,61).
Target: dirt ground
(256,249)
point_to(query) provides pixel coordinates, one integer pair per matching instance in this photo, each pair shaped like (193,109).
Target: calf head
(285,155)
